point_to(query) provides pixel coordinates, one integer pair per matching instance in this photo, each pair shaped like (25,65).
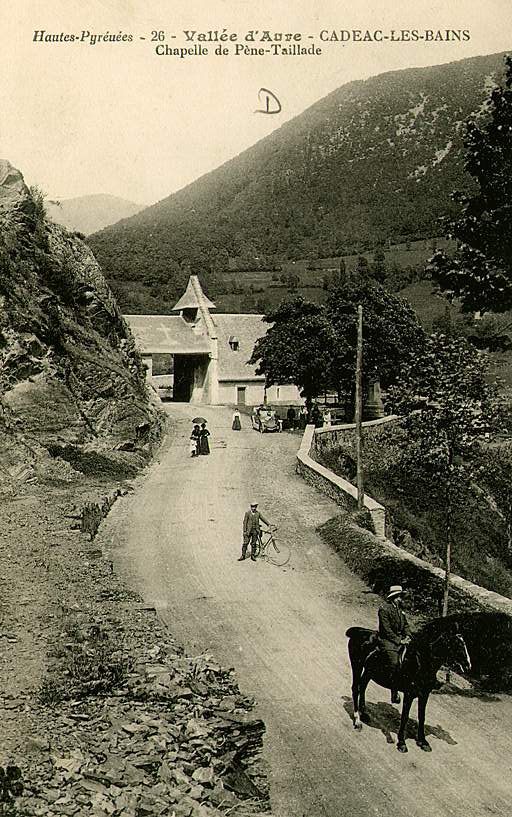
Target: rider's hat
(395,590)
(254,504)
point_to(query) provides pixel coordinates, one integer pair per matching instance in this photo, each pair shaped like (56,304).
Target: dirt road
(178,539)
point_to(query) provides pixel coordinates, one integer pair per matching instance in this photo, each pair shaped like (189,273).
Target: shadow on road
(386,717)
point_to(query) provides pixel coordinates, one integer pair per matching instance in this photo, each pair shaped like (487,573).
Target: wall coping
(349,426)
(486,597)
(344,485)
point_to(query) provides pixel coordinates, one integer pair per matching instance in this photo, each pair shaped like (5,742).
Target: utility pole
(359,409)
(448,552)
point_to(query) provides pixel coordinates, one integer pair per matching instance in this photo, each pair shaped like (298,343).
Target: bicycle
(268,549)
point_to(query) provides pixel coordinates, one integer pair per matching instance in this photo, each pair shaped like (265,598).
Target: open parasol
(199,420)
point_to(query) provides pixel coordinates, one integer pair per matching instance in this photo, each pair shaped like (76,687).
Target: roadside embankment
(100,709)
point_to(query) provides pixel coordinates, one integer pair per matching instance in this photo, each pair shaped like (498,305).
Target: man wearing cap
(394,632)
(252,520)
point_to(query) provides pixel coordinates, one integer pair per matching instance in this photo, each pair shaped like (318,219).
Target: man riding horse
(394,633)
(438,643)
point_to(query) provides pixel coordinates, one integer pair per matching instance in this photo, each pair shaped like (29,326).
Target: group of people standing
(297,418)
(199,440)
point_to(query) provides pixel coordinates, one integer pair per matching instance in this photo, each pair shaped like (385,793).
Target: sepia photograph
(255,408)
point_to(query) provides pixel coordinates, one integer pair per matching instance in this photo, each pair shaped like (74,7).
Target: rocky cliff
(73,397)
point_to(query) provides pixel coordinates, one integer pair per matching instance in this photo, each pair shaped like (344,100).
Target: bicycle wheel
(277,554)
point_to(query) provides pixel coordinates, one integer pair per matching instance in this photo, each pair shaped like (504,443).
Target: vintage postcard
(255,385)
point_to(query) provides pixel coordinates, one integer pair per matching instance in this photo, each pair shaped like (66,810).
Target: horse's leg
(363,683)
(356,679)
(406,708)
(422,706)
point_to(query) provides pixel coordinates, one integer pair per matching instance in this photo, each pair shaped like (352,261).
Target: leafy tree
(491,332)
(396,277)
(448,409)
(446,324)
(480,273)
(293,281)
(495,473)
(362,269)
(342,275)
(297,347)
(379,266)
(390,330)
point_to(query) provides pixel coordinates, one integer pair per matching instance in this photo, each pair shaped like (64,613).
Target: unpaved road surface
(178,538)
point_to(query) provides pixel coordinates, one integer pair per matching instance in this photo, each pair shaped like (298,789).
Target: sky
(79,118)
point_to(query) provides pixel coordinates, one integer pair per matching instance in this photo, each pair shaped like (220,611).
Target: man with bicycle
(252,519)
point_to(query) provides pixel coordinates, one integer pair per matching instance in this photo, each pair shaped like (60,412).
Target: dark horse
(438,643)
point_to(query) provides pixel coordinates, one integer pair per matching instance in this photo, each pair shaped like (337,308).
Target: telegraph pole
(359,409)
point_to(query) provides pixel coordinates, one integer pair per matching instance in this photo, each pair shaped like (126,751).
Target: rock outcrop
(73,396)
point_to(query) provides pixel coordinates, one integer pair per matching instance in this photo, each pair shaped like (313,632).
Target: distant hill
(87,214)
(373,162)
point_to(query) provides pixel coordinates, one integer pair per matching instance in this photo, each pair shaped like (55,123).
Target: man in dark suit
(394,633)
(252,519)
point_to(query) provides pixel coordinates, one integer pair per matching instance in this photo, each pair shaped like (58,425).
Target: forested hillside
(375,161)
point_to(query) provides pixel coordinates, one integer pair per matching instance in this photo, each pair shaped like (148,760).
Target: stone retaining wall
(374,557)
(339,489)
(330,437)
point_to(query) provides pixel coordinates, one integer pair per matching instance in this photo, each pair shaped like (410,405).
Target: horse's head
(456,651)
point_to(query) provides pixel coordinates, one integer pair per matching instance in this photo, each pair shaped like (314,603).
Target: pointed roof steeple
(194,297)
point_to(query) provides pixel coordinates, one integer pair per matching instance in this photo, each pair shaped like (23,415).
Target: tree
(362,269)
(342,273)
(448,408)
(390,330)
(495,473)
(297,347)
(293,281)
(396,277)
(445,324)
(379,269)
(480,273)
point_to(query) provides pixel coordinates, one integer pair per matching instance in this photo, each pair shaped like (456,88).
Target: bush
(363,519)
(380,567)
(89,663)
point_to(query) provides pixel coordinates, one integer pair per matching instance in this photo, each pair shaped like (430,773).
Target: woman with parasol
(195,437)
(204,446)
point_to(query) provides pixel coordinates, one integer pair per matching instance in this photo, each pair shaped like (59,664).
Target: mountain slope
(87,214)
(72,385)
(375,159)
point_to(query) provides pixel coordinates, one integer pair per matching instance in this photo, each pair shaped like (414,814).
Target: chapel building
(209,352)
